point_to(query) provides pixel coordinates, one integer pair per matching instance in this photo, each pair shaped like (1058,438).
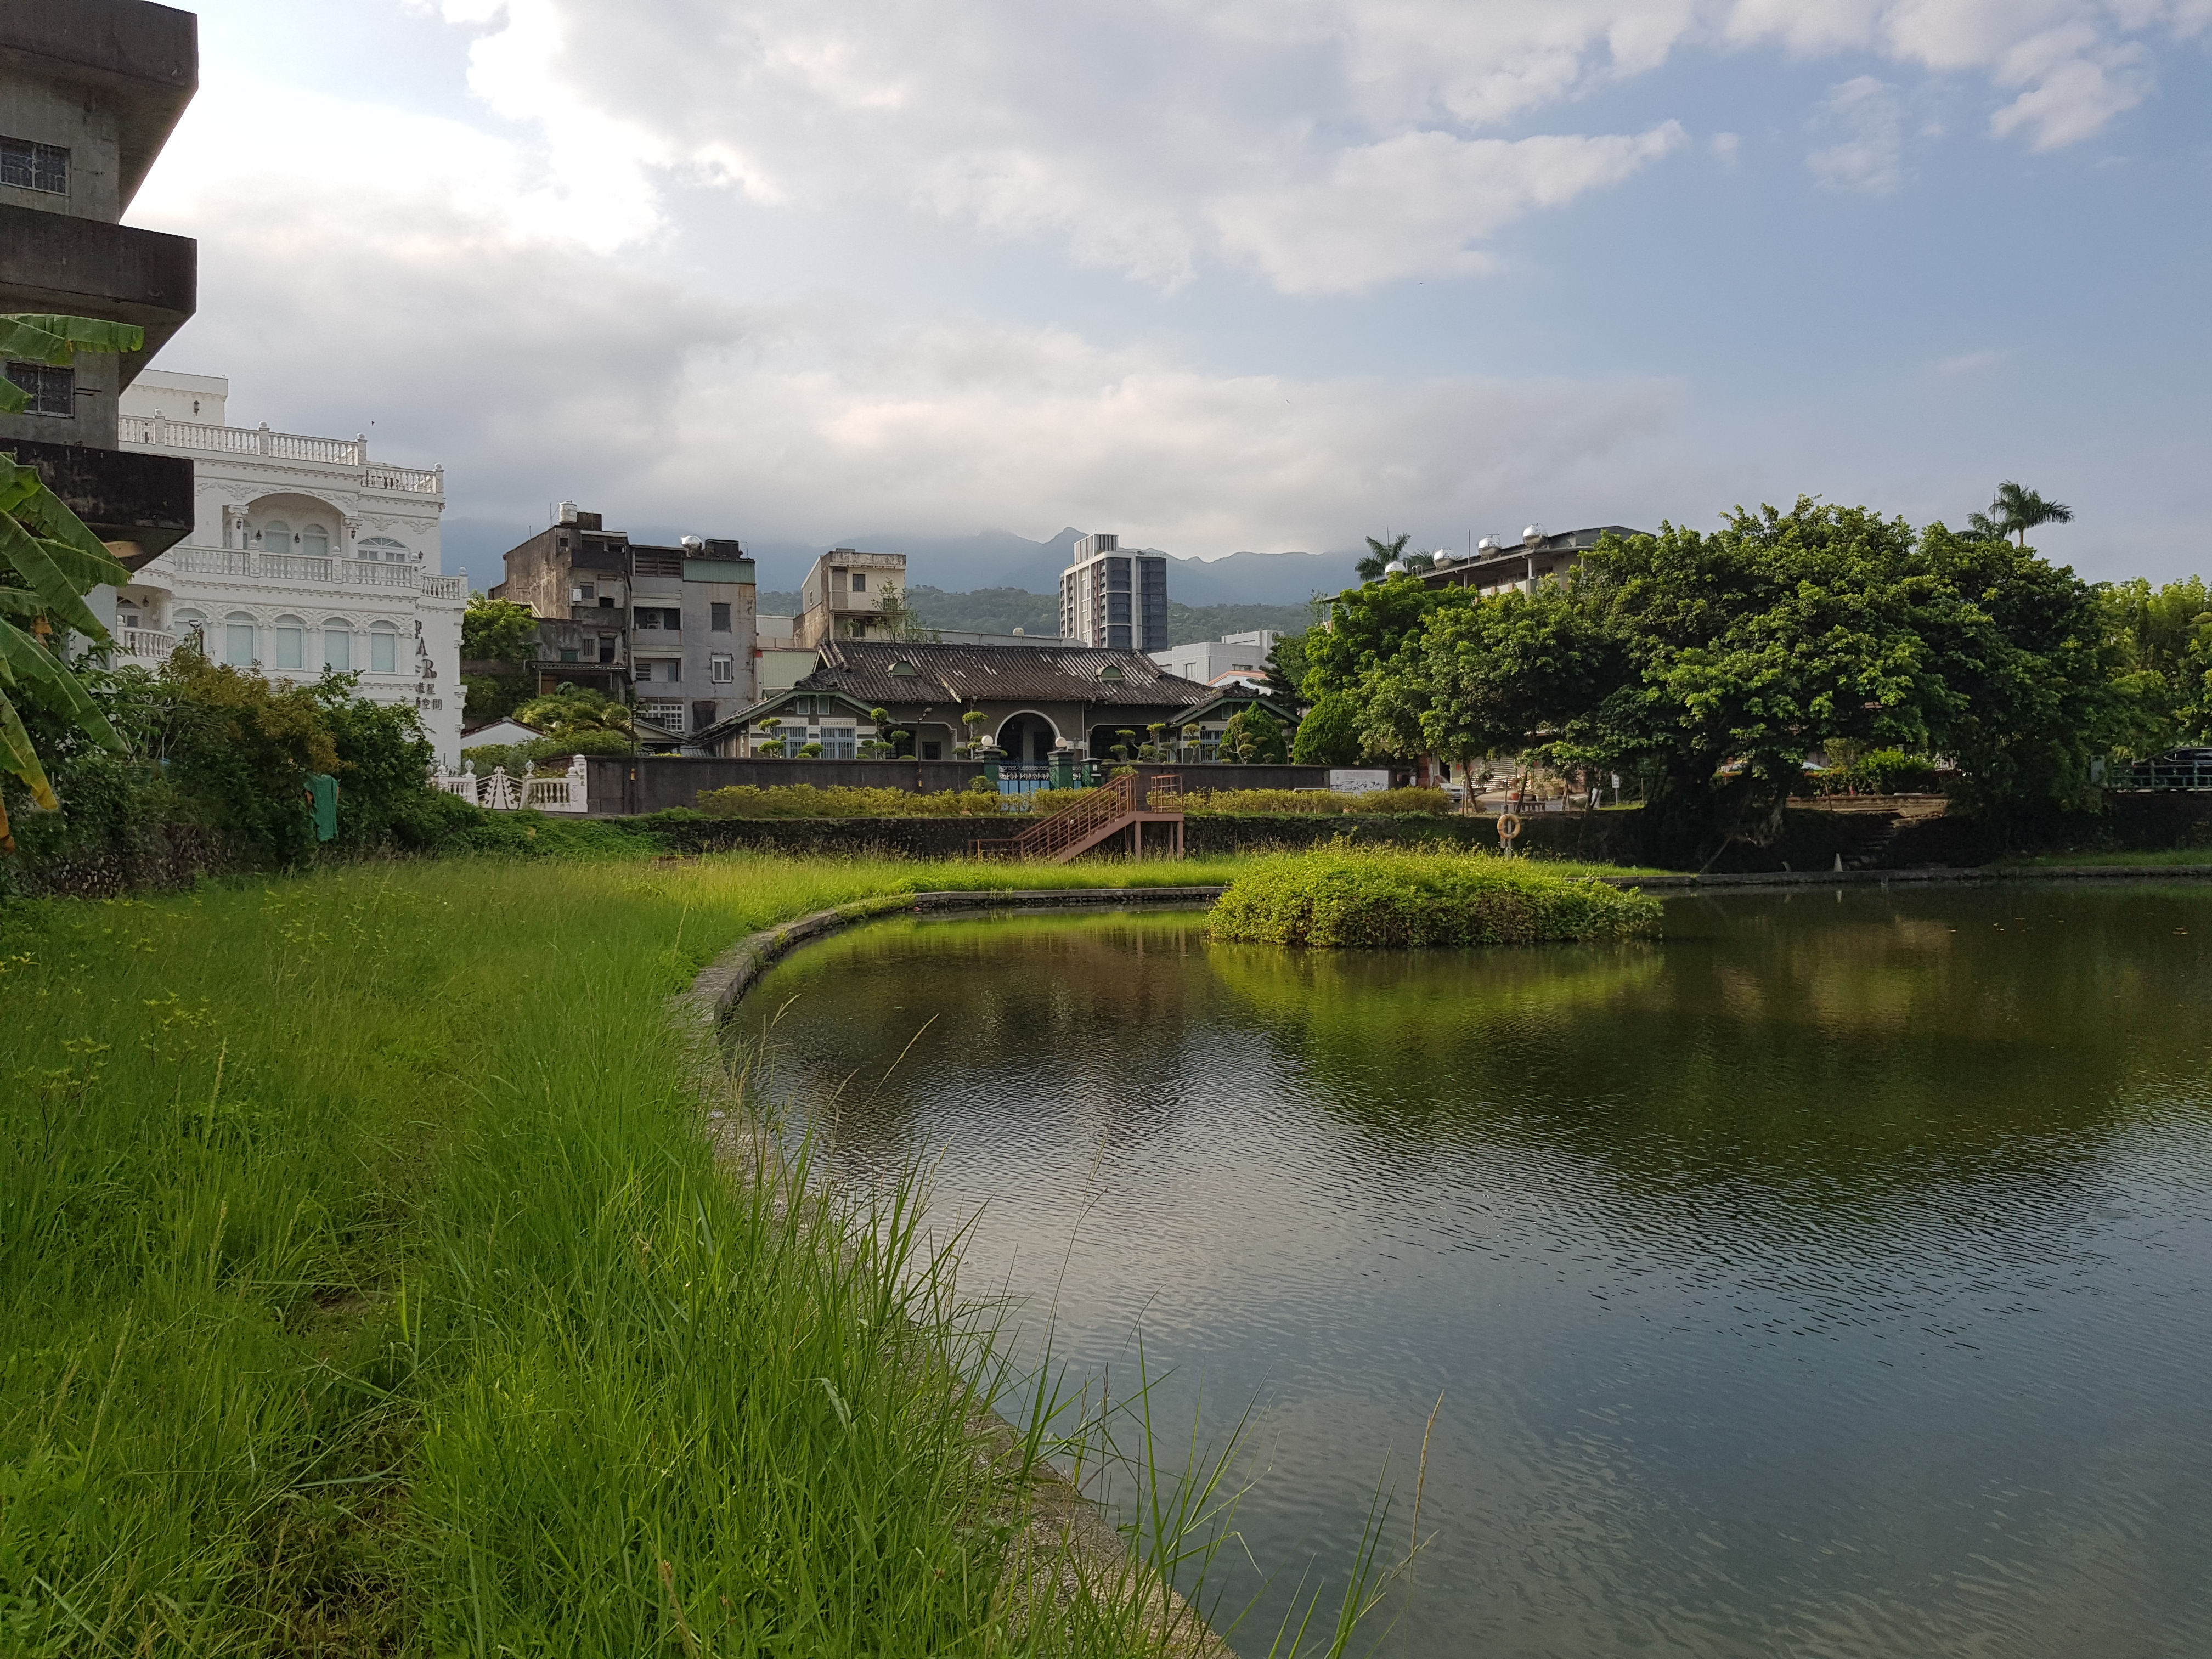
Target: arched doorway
(1105,738)
(1028,738)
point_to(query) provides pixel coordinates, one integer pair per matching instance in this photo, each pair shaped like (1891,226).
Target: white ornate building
(304,555)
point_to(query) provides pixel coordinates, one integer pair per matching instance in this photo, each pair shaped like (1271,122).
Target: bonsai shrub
(1341,898)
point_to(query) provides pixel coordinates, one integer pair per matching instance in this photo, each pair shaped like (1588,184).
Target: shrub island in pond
(1387,900)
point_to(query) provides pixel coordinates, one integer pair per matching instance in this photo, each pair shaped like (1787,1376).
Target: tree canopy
(1712,665)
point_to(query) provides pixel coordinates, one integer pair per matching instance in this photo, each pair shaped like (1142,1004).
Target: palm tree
(1379,554)
(2016,511)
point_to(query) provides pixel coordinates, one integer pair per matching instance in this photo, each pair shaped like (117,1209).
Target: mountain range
(988,559)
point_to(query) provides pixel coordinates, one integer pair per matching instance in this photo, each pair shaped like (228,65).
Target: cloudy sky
(1224,274)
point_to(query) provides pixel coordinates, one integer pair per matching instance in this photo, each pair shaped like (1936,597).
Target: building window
(583,593)
(29,166)
(276,537)
(718,618)
(838,742)
(238,641)
(675,670)
(669,716)
(338,645)
(51,391)
(383,649)
(722,671)
(860,581)
(291,642)
(381,547)
(606,648)
(315,542)
(656,616)
(932,751)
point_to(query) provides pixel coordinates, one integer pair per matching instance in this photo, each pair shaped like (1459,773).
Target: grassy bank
(2166,858)
(1343,897)
(371,1287)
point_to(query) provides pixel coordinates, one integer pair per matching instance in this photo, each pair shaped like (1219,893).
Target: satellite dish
(1532,535)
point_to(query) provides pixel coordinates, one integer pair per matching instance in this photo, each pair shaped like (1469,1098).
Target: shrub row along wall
(1810,839)
(622,786)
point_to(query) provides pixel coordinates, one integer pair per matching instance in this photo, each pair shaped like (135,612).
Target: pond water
(1831,1278)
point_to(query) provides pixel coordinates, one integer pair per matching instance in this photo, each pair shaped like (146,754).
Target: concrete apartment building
(304,555)
(1498,567)
(1112,600)
(89,92)
(1214,662)
(671,630)
(842,596)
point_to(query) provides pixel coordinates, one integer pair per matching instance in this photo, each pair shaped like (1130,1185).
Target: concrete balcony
(53,262)
(197,437)
(140,505)
(306,571)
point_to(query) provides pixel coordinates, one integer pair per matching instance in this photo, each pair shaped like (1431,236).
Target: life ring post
(1509,831)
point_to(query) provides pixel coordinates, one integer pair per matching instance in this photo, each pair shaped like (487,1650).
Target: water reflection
(1826,1279)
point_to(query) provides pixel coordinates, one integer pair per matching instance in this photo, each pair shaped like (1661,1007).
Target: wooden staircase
(1102,814)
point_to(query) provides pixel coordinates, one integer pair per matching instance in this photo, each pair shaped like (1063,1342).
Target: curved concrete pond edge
(1067,1535)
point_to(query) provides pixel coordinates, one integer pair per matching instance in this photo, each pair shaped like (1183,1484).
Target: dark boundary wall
(621,786)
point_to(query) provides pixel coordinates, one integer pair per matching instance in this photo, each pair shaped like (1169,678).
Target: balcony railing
(306,568)
(201,438)
(144,644)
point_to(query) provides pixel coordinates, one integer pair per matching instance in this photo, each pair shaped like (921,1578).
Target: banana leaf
(45,578)
(27,662)
(19,757)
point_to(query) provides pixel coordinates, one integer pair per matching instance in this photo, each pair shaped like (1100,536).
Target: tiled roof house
(1033,699)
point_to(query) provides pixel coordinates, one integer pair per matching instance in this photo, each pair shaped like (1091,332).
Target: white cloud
(1325,145)
(1969,362)
(1419,203)
(1870,156)
(632,391)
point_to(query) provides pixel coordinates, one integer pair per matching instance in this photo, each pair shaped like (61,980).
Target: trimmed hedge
(805,800)
(1346,898)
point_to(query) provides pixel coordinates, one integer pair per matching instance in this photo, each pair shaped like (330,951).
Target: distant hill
(1002,610)
(991,560)
(994,559)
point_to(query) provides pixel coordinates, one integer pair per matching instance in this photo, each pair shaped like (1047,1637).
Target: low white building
(1235,658)
(304,554)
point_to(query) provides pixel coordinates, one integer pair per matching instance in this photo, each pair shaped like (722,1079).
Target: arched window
(275,536)
(383,647)
(384,548)
(315,542)
(238,640)
(337,644)
(288,643)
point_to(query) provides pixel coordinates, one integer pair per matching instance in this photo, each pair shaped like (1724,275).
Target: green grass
(2167,858)
(371,1285)
(1357,897)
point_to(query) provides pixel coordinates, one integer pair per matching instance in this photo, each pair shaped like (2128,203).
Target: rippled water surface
(1830,1279)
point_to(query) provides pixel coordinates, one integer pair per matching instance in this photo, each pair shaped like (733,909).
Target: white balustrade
(210,561)
(292,567)
(442,587)
(146,644)
(200,436)
(369,573)
(558,791)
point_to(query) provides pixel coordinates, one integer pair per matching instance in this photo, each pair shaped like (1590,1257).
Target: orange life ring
(1509,826)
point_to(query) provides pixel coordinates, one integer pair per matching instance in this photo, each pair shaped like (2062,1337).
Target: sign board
(1349,780)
